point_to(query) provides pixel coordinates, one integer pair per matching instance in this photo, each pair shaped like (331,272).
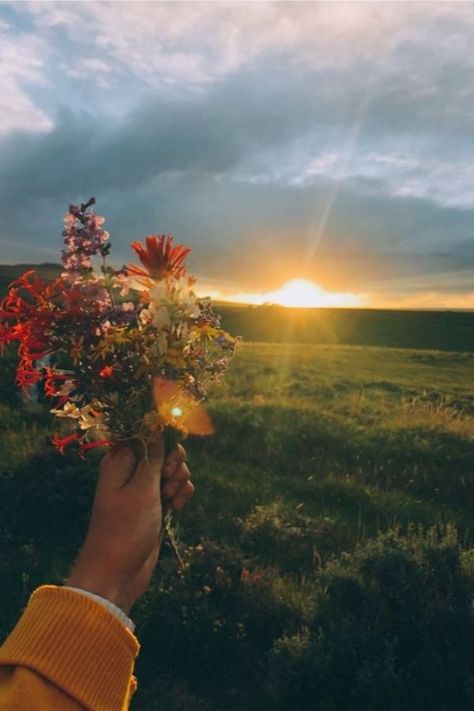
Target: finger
(183,496)
(116,467)
(173,461)
(172,486)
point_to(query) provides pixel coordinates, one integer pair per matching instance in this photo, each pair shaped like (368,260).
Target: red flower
(50,386)
(26,376)
(62,442)
(86,446)
(160,257)
(106,372)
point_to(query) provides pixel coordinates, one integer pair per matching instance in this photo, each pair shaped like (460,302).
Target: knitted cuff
(77,644)
(120,614)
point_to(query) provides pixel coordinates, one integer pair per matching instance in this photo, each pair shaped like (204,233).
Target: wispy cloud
(21,68)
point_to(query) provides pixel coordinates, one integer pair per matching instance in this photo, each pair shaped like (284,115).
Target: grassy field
(329,549)
(431,330)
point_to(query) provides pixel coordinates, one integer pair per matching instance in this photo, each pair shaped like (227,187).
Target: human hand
(123,541)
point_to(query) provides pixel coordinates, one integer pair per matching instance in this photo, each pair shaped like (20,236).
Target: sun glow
(303,294)
(299,292)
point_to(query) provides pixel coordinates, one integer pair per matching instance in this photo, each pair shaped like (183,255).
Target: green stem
(172,438)
(168,532)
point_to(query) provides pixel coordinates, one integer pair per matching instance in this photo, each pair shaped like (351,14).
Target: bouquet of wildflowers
(124,354)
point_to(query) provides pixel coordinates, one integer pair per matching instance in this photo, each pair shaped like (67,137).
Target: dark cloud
(219,166)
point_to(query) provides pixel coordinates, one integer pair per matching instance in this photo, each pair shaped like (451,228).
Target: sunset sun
(303,293)
(299,292)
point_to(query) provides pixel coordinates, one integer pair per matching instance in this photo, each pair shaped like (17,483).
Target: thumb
(116,467)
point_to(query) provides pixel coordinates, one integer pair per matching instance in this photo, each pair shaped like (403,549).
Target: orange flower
(160,257)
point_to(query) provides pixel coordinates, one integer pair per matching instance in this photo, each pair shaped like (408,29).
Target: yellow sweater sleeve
(67,652)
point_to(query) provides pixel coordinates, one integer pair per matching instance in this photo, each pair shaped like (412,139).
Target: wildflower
(163,338)
(160,317)
(128,306)
(115,337)
(89,417)
(62,442)
(52,387)
(83,237)
(70,409)
(87,446)
(77,348)
(26,376)
(160,257)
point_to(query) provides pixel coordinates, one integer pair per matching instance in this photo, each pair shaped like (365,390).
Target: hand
(123,541)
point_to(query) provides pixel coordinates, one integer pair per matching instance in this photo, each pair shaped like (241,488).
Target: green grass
(308,536)
(440,330)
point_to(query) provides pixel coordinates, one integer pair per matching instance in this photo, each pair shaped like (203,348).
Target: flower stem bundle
(123,354)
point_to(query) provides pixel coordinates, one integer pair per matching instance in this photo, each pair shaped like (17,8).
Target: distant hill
(432,330)
(9,272)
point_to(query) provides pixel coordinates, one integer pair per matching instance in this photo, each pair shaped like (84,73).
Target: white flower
(161,317)
(159,346)
(184,297)
(171,300)
(69,410)
(66,388)
(182,332)
(145,317)
(90,418)
(159,292)
(162,343)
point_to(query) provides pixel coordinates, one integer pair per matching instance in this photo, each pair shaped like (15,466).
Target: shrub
(8,388)
(393,628)
(287,538)
(216,615)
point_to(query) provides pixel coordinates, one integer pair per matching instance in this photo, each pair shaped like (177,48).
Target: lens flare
(177,408)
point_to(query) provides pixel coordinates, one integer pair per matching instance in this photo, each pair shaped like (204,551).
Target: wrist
(101,585)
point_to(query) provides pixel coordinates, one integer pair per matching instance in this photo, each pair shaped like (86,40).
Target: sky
(331,142)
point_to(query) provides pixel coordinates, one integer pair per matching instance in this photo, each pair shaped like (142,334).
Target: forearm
(67,651)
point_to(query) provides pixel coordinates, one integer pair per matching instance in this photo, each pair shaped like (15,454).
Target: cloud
(330,141)
(20,67)
(228,35)
(428,300)
(87,66)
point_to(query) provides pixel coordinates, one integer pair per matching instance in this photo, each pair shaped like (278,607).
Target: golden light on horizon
(301,293)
